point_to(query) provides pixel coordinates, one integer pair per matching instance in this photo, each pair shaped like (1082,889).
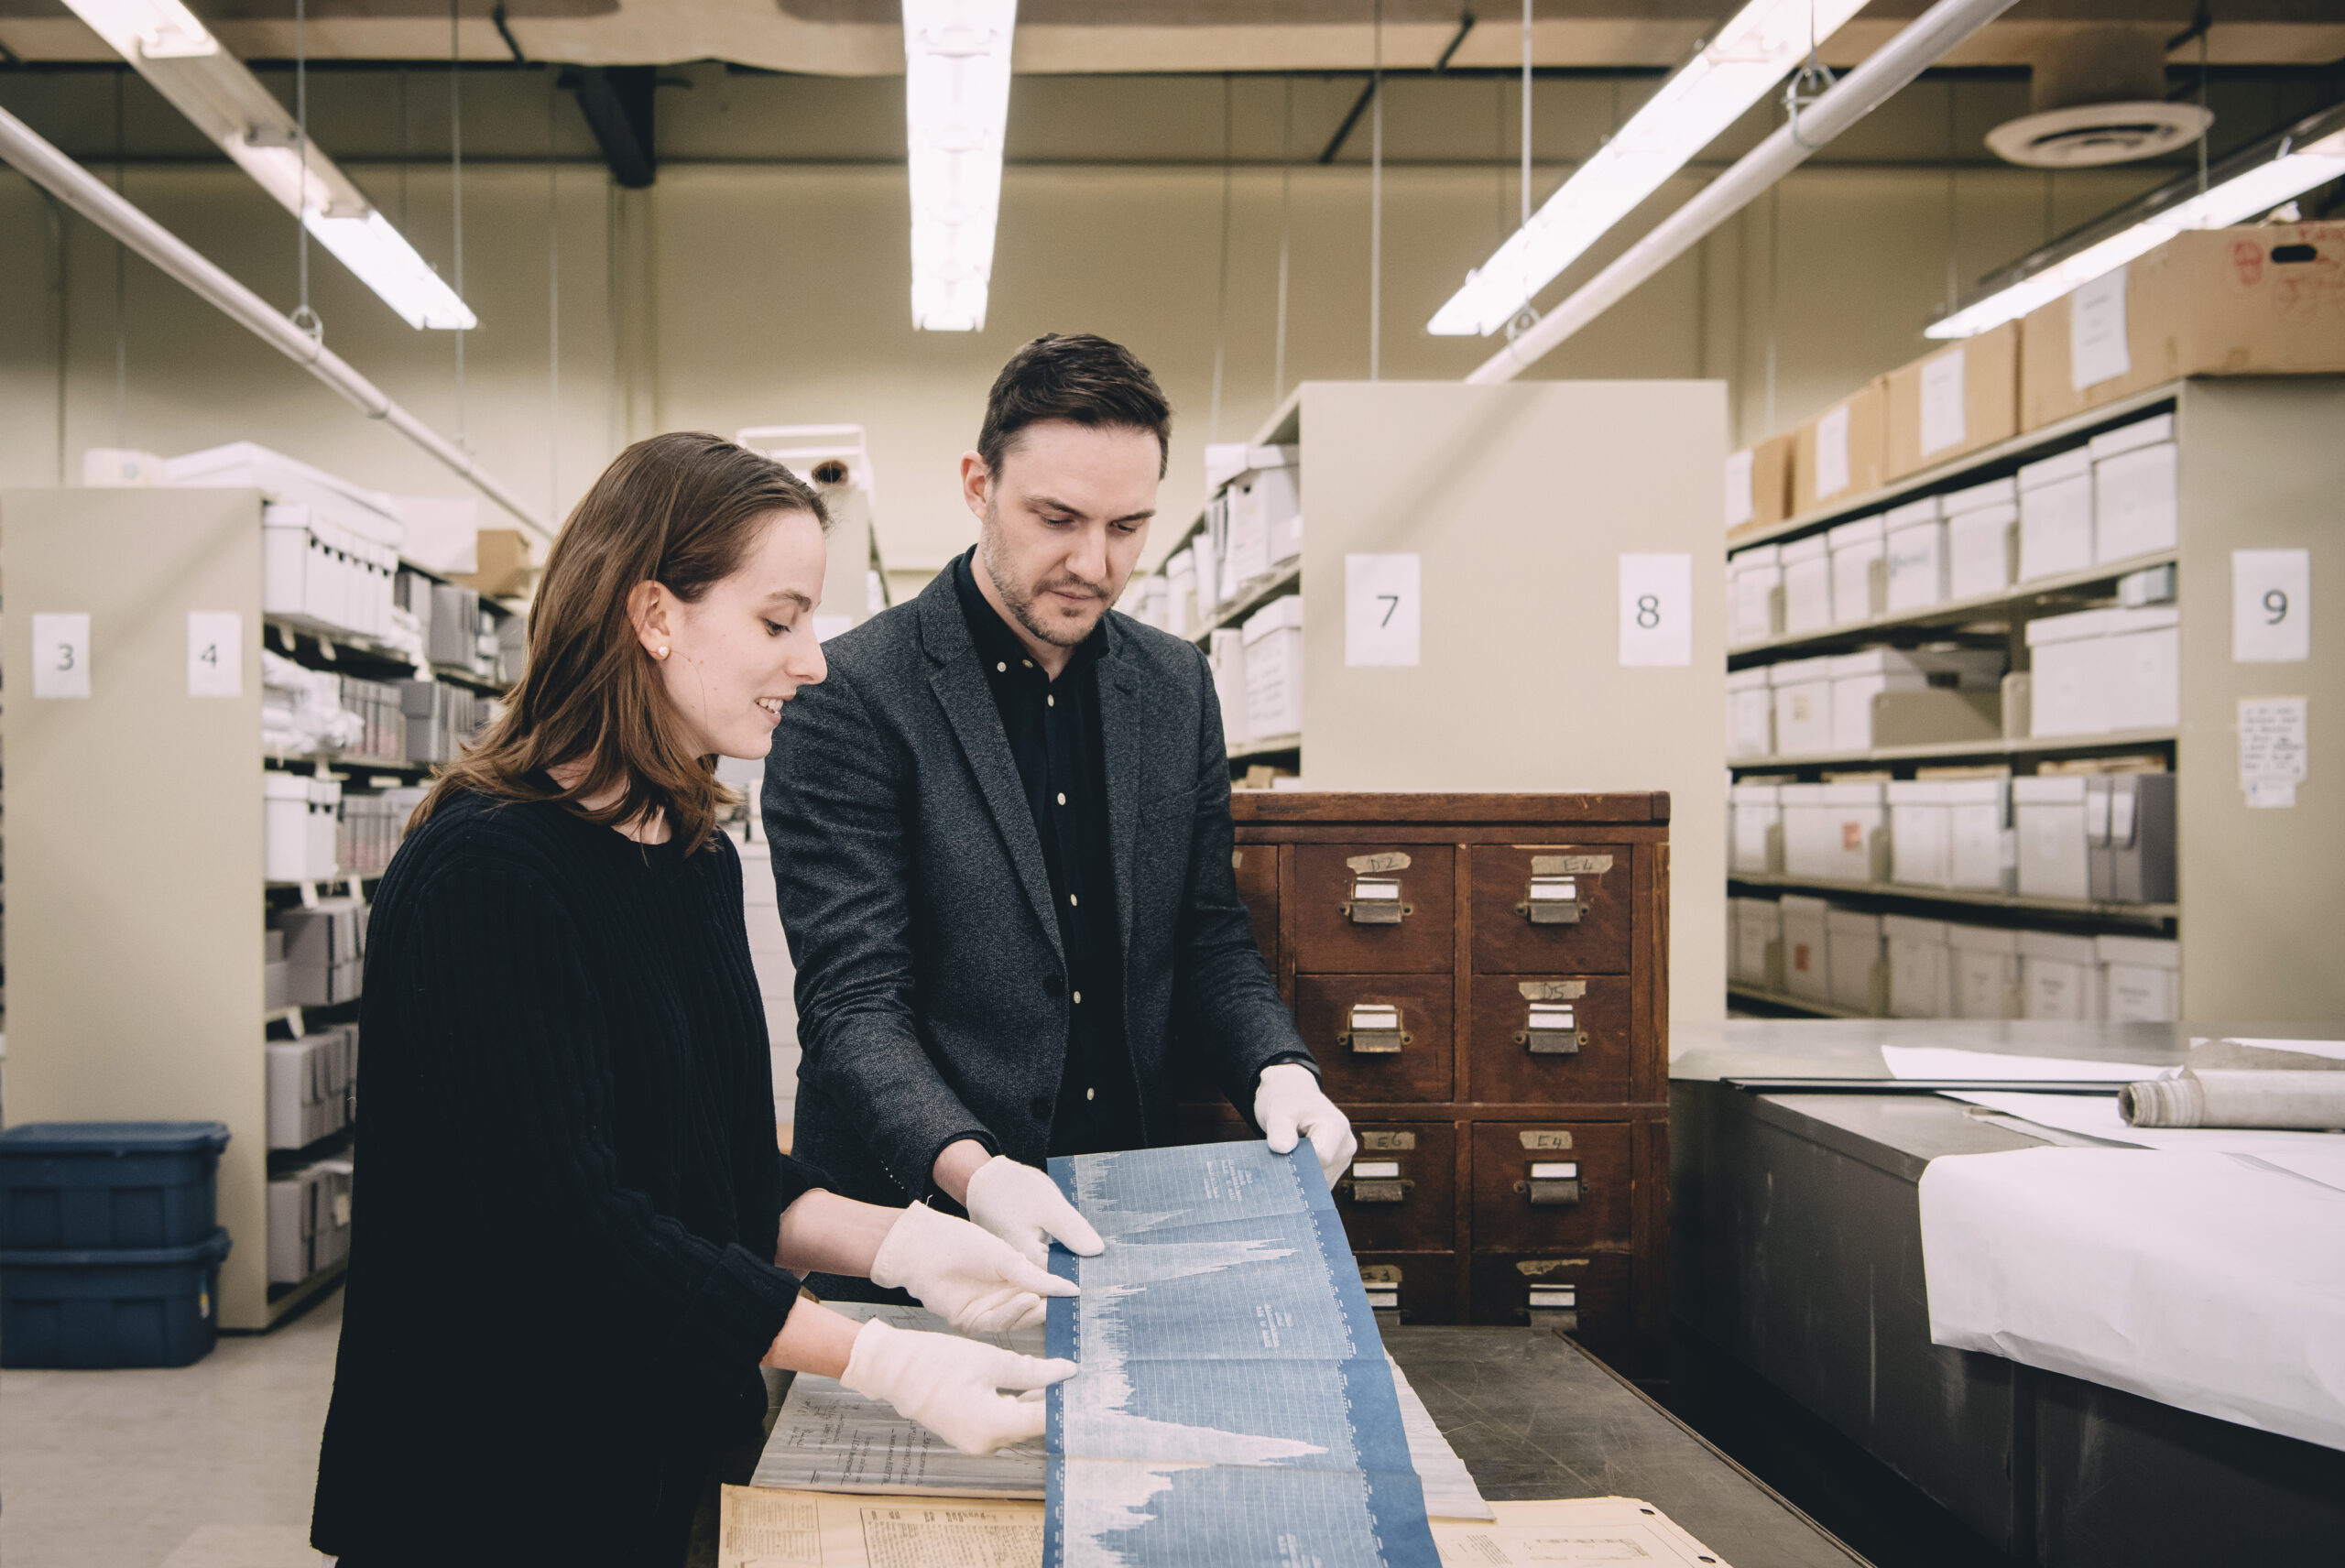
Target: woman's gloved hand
(973,1280)
(1024,1207)
(953,1386)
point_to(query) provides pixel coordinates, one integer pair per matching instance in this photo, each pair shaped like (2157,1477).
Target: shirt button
(1078,998)
(1001,667)
(1091,1094)
(1027,662)
(1073,901)
(1050,702)
(1061,797)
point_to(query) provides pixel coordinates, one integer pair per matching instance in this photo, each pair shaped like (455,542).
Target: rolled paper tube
(2309,1101)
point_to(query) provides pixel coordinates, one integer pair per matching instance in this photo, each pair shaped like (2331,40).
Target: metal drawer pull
(1376,1182)
(1552,1183)
(1552,1030)
(1554,1306)
(1384,1298)
(1553,901)
(1373,1028)
(1563,1296)
(1375,901)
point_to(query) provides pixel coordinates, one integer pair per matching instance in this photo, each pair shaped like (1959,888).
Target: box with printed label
(2059,977)
(1835,831)
(1919,966)
(1860,571)
(2140,979)
(2242,302)
(1841,452)
(2056,516)
(2137,490)
(1983,971)
(2055,855)
(1803,706)
(1952,402)
(1857,980)
(1806,947)
(1807,585)
(1913,547)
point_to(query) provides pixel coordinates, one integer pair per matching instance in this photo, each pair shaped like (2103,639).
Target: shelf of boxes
(2099,908)
(1962,751)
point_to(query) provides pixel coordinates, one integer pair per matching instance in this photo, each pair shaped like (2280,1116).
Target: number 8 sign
(1656,601)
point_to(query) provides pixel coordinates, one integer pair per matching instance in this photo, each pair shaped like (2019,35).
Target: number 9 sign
(2271,606)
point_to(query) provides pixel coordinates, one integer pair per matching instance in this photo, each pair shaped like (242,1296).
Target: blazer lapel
(1119,731)
(961,691)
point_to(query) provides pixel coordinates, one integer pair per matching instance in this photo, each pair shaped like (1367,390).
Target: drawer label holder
(1551,1184)
(1373,1028)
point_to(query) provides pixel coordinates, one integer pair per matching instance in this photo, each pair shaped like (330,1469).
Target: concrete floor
(204,1466)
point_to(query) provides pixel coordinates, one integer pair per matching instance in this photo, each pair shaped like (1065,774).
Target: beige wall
(779,294)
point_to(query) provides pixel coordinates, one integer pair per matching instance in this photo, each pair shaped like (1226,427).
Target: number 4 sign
(215,653)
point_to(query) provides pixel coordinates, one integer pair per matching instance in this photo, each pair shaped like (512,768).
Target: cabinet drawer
(1552,910)
(1420,1285)
(1589,1296)
(1549,1186)
(1550,1040)
(1372,908)
(1400,1193)
(1373,1064)
(1256,866)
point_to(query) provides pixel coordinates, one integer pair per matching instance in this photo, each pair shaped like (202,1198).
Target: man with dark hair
(1001,843)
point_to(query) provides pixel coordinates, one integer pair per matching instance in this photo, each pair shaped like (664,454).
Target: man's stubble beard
(1013,593)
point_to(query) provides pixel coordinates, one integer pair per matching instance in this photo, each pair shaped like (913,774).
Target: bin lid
(115,1137)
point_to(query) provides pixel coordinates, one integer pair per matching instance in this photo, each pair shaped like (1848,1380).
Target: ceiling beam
(618,102)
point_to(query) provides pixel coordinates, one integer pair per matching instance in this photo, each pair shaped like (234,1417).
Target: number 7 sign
(1383,610)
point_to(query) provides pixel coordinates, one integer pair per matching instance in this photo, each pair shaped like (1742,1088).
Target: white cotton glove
(953,1386)
(1024,1207)
(1287,1101)
(974,1279)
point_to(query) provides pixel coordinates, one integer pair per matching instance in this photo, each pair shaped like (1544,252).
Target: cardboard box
(1759,484)
(1841,452)
(2262,301)
(1952,402)
(506,569)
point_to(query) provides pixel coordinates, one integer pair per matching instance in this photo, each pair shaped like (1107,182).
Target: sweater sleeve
(511,1043)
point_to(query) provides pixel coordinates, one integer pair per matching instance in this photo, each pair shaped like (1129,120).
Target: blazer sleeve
(514,1048)
(1224,1003)
(835,814)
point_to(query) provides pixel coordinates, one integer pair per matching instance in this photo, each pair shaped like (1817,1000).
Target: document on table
(1946,1065)
(766,1528)
(1575,1529)
(1233,1404)
(2315,1156)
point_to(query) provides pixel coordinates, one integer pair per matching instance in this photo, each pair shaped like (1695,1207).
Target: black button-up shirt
(1055,734)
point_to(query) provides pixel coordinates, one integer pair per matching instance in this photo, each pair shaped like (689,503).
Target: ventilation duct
(2099,97)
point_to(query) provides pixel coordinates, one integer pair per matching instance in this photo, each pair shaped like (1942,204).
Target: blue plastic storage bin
(84,1186)
(144,1307)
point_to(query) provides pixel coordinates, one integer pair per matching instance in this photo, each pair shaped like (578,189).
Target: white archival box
(1756,817)
(1920,972)
(369,514)
(2143,659)
(2071,685)
(2140,979)
(1229,661)
(1855,965)
(1749,713)
(1758,938)
(1981,524)
(2137,502)
(1833,830)
(1983,971)
(1858,570)
(1913,544)
(1803,690)
(1857,678)
(2054,853)
(2059,977)
(1805,944)
(1754,602)
(1807,585)
(2056,516)
(1275,668)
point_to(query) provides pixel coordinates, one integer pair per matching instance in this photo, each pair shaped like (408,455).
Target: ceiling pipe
(1884,72)
(48,168)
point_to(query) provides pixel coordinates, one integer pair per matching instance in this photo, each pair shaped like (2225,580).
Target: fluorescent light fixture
(2308,154)
(184,63)
(956,104)
(1716,87)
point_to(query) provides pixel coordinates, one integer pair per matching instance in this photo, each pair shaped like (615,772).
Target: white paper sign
(2271,606)
(61,654)
(2272,744)
(2096,349)
(1738,489)
(1942,423)
(215,653)
(1832,452)
(1656,611)
(1383,610)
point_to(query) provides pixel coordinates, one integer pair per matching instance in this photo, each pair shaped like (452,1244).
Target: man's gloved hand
(1024,1207)
(976,1281)
(953,1386)
(1288,1101)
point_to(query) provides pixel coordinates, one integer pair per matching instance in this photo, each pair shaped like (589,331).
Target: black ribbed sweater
(561,1275)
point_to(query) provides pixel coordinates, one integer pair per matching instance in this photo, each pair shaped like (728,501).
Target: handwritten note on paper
(1832,452)
(1944,425)
(2272,747)
(2096,347)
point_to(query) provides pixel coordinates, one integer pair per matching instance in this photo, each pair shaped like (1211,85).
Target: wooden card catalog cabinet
(1482,980)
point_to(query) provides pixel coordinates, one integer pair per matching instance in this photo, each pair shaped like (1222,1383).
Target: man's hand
(953,1386)
(975,1280)
(1288,1102)
(1023,1206)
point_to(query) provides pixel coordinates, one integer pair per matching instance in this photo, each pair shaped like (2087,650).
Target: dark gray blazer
(932,990)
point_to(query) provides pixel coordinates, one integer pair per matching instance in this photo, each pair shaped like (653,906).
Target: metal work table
(1532,1415)
(1797,1252)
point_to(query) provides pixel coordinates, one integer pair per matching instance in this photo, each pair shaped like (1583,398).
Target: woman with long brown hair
(574,1236)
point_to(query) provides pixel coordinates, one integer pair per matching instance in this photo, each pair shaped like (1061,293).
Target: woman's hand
(953,1386)
(975,1280)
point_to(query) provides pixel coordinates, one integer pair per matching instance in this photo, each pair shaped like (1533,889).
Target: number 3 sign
(61,654)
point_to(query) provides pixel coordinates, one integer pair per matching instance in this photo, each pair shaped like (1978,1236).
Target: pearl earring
(659,652)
